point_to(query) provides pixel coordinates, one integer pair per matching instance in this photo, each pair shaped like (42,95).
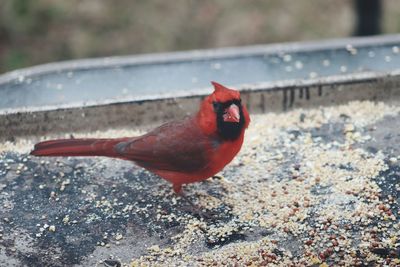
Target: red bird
(185,151)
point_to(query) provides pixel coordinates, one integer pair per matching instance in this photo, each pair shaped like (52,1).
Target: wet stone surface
(310,187)
(90,205)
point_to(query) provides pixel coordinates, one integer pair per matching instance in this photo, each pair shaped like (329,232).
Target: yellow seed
(315,260)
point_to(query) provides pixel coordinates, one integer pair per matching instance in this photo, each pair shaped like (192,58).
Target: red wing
(174,146)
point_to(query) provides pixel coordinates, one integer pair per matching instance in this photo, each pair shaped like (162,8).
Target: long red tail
(77,147)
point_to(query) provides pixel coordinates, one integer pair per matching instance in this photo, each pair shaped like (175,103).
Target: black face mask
(228,130)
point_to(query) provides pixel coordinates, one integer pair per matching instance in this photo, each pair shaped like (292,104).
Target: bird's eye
(216,105)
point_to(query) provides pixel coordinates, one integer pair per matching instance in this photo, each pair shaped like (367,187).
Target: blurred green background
(40,31)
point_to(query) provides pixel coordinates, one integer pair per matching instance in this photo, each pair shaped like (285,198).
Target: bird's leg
(177,188)
(179,192)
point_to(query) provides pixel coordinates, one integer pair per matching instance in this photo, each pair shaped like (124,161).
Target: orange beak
(232,114)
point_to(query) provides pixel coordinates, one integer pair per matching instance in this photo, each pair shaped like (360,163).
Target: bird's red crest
(223,94)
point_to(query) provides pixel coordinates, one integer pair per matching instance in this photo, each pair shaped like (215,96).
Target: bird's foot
(196,209)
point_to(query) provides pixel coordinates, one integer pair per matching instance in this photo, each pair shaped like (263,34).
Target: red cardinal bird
(185,151)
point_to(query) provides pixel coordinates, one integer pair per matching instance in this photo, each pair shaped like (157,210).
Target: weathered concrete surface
(259,98)
(89,211)
(98,199)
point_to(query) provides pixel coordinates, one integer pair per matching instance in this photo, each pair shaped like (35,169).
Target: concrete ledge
(259,98)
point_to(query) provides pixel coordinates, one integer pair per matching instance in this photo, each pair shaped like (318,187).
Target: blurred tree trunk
(369,13)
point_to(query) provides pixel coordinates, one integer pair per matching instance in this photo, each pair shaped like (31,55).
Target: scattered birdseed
(322,199)
(66,219)
(118,237)
(287,57)
(326,63)
(352,50)
(298,65)
(306,189)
